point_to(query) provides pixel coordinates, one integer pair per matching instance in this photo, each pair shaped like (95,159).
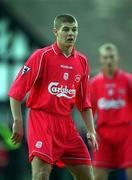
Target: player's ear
(55,31)
(117,57)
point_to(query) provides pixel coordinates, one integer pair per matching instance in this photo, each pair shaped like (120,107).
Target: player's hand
(92,138)
(17,131)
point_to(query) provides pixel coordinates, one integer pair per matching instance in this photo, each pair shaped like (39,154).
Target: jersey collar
(117,72)
(58,51)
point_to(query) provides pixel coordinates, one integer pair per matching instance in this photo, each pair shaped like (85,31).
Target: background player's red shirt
(54,82)
(112,98)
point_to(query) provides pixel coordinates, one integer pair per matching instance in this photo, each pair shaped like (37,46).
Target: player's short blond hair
(108,46)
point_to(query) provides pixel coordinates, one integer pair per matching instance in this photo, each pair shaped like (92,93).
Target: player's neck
(66,50)
(109,74)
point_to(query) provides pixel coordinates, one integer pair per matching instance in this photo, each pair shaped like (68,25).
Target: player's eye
(66,29)
(74,29)
(108,56)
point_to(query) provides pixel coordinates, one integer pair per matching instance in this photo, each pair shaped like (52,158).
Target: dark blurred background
(26,25)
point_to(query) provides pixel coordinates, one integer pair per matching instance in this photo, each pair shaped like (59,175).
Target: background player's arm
(17,128)
(89,122)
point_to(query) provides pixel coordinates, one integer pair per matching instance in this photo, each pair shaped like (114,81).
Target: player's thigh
(101,173)
(81,172)
(40,167)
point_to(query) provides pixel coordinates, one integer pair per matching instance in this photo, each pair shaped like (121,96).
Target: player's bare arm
(89,122)
(17,128)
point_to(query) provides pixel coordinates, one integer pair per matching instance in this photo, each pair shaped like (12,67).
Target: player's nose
(70,32)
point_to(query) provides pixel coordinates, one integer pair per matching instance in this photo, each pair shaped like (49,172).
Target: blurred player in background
(112,108)
(56,78)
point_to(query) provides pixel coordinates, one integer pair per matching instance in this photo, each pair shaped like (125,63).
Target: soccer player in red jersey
(112,108)
(56,78)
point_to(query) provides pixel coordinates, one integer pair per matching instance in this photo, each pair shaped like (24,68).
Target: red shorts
(115,147)
(54,137)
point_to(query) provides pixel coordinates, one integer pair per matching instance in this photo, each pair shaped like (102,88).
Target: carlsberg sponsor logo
(61,91)
(111,104)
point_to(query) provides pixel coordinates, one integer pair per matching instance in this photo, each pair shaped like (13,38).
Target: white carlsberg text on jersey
(61,91)
(104,103)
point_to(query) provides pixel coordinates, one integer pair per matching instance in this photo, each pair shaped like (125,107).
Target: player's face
(67,34)
(109,60)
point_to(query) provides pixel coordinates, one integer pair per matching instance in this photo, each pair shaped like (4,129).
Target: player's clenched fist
(92,138)
(17,132)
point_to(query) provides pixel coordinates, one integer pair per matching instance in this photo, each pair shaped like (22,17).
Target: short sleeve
(130,85)
(83,97)
(26,76)
(93,95)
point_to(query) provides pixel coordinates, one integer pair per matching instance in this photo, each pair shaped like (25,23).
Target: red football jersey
(112,98)
(54,82)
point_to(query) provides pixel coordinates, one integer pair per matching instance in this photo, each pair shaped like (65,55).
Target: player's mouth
(110,65)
